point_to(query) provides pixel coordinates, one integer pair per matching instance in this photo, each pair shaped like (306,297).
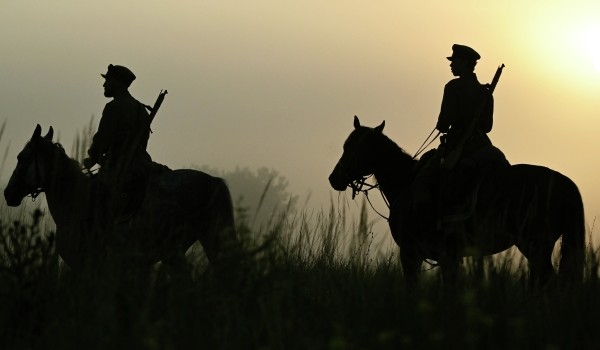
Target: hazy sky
(276,82)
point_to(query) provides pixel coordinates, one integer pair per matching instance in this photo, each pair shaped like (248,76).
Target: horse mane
(64,161)
(395,151)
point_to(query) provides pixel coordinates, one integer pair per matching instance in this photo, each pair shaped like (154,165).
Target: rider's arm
(449,109)
(106,131)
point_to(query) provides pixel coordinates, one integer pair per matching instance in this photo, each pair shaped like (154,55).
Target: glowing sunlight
(587,40)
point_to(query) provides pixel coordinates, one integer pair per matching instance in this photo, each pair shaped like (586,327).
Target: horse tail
(222,237)
(228,211)
(572,258)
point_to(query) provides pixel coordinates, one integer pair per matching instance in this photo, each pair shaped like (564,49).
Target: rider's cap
(119,72)
(463,52)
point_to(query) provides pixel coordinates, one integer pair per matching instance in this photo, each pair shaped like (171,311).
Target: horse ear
(380,127)
(356,122)
(37,132)
(49,134)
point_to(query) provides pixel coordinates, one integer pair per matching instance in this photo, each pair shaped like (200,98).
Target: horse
(180,207)
(520,205)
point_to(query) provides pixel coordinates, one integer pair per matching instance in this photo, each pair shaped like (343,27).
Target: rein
(424,145)
(39,189)
(357,187)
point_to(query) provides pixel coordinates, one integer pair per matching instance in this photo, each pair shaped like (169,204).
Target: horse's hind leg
(211,244)
(175,269)
(411,267)
(450,273)
(539,258)
(214,242)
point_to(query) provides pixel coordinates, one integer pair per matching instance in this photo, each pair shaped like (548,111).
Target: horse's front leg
(450,269)
(411,267)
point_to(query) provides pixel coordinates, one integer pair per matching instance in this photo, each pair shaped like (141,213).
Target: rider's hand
(88,163)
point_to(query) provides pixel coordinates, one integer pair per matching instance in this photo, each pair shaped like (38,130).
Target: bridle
(37,188)
(358,186)
(35,192)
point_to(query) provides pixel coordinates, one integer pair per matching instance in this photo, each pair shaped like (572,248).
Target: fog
(276,83)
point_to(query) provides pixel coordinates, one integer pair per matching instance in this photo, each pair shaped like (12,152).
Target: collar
(469,76)
(124,94)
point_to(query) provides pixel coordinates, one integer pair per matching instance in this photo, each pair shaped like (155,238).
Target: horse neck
(67,190)
(393,168)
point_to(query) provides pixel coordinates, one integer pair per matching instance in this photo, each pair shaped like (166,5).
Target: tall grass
(298,290)
(309,280)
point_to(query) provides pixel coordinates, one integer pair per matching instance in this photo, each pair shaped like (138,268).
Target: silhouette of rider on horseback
(119,145)
(462,101)
(466,116)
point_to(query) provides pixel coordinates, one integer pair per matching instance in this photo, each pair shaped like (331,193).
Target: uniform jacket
(462,101)
(122,135)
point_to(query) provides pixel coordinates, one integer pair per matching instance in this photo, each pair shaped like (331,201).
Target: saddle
(444,197)
(129,200)
(460,188)
(457,201)
(117,204)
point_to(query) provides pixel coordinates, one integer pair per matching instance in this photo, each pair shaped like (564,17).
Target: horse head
(359,157)
(30,177)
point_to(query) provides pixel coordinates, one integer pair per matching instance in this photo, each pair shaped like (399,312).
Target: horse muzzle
(337,185)
(338,179)
(13,198)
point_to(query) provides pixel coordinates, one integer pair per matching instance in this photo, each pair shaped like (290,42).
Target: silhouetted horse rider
(462,101)
(465,118)
(119,145)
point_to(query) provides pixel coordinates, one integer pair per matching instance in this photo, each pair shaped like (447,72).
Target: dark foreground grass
(297,291)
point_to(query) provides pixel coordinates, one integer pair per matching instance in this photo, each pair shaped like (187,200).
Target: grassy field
(313,282)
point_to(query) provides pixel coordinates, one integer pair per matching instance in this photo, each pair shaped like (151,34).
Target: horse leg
(216,243)
(450,270)
(539,258)
(411,267)
(211,246)
(177,262)
(174,271)
(479,267)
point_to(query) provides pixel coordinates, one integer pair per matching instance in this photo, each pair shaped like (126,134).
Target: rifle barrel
(496,77)
(159,101)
